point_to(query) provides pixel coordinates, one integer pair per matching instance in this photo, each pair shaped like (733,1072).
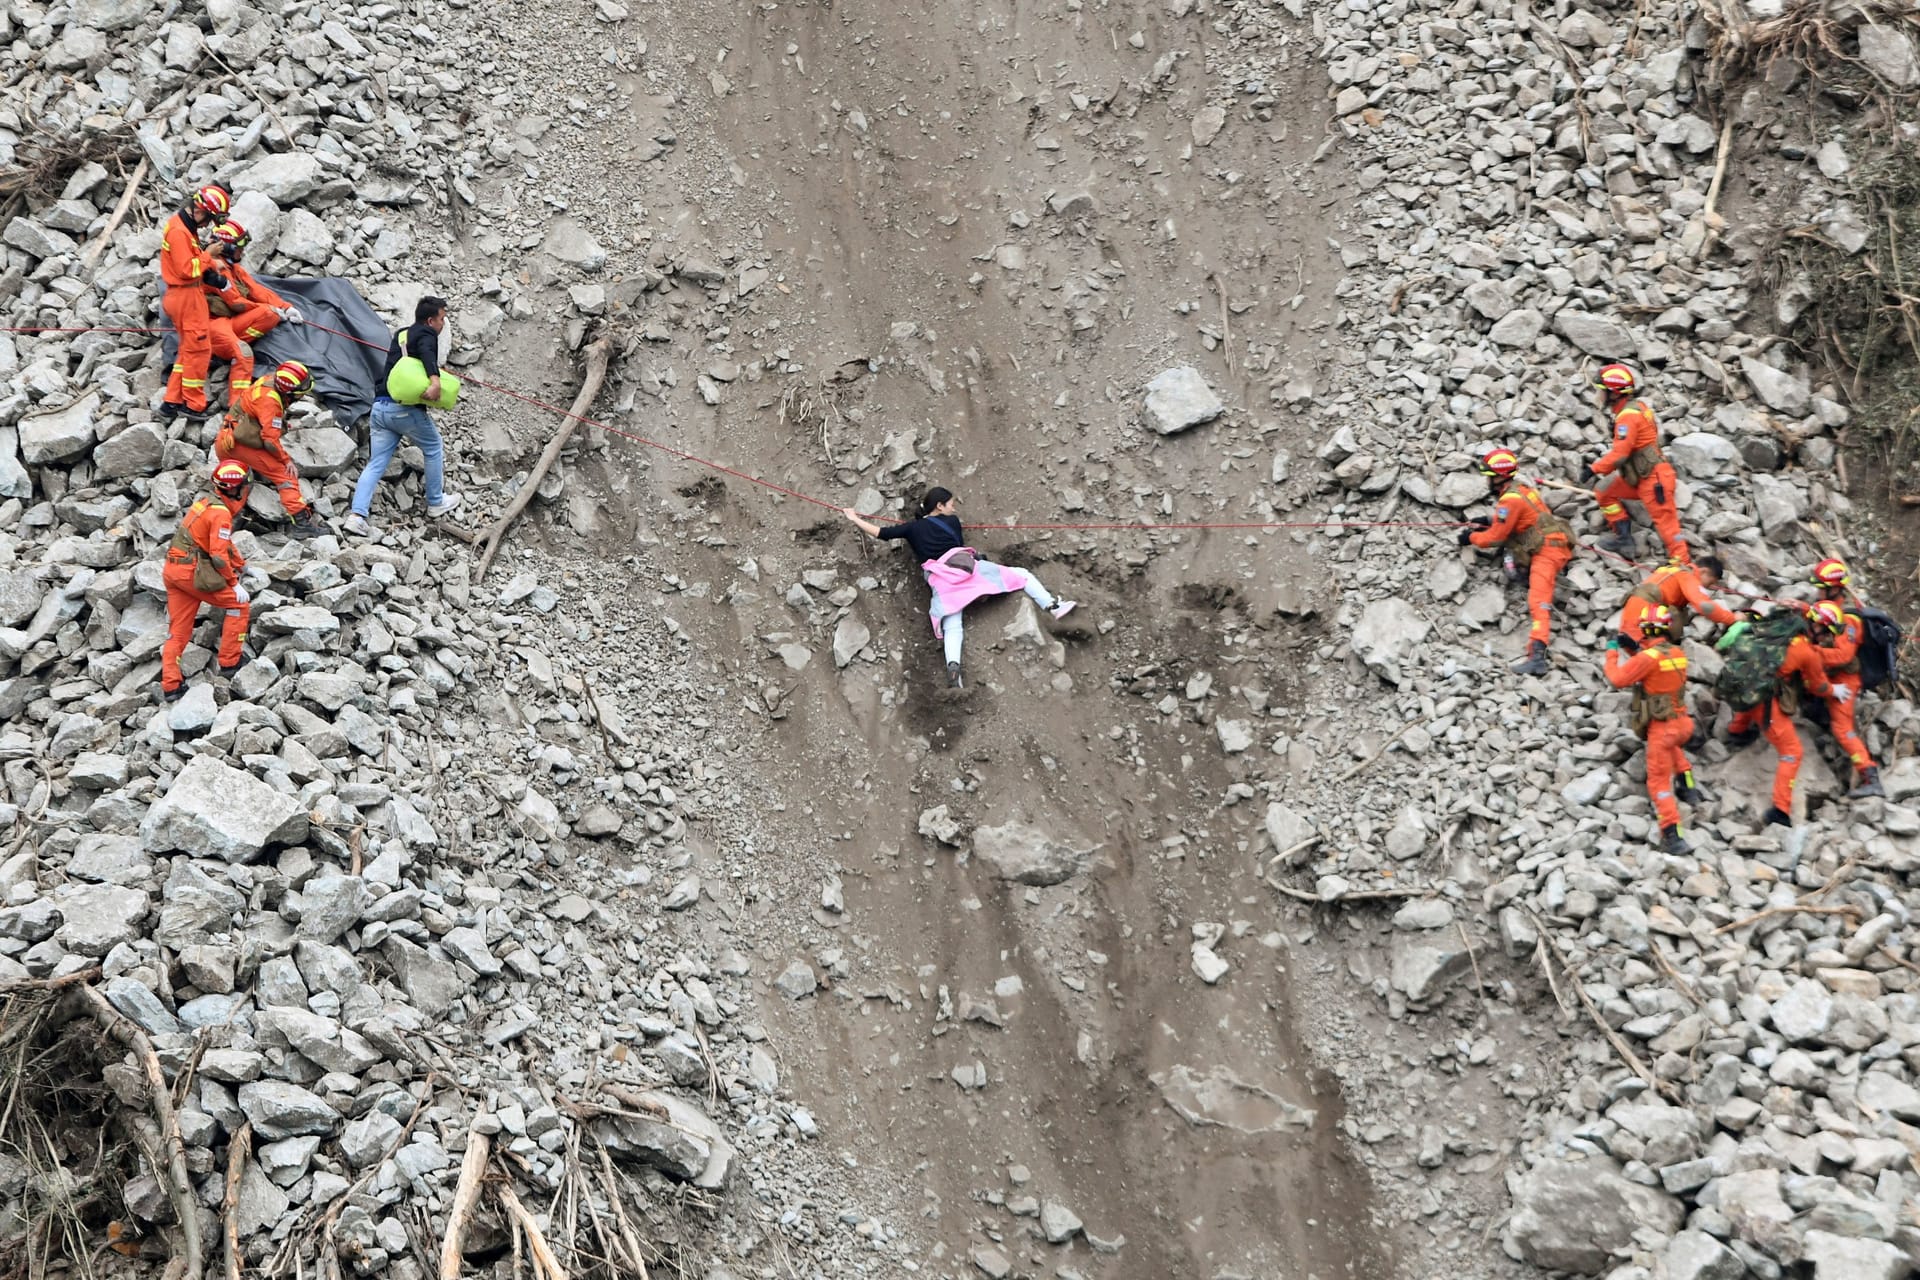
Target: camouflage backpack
(1752,654)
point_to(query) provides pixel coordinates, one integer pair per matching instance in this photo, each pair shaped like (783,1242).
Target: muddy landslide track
(884,158)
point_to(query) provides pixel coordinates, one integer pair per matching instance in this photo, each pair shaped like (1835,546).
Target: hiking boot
(1739,738)
(953,676)
(1672,842)
(356,524)
(1869,784)
(1688,790)
(1063,608)
(308,525)
(1535,663)
(174,694)
(1779,818)
(448,501)
(1619,542)
(171,409)
(228,672)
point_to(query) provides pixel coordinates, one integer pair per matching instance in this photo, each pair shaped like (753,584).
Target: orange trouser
(187,383)
(183,607)
(1778,726)
(270,465)
(1656,493)
(232,338)
(1840,720)
(1542,574)
(1665,738)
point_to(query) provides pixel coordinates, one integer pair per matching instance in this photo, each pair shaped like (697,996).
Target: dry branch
(237,1152)
(173,1159)
(1621,1047)
(49,984)
(99,245)
(545,1265)
(466,1195)
(597,356)
(1786,911)
(1405,729)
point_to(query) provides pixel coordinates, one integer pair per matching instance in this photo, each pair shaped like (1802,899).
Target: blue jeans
(389,424)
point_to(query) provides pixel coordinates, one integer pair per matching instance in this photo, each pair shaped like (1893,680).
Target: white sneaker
(356,524)
(448,501)
(1064,608)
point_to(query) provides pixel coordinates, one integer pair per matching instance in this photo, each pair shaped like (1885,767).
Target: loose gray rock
(1596,335)
(1571,1215)
(1780,391)
(215,810)
(1027,855)
(60,434)
(685,1144)
(1179,398)
(282,1110)
(1388,633)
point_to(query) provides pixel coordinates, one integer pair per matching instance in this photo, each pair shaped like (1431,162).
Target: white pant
(952,629)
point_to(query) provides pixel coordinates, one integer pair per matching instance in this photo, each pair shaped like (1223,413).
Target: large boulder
(139,450)
(1596,335)
(1388,633)
(214,810)
(284,178)
(1180,398)
(59,435)
(1573,1215)
(682,1143)
(1028,855)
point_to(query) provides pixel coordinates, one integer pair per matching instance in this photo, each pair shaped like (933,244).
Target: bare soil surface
(985,1042)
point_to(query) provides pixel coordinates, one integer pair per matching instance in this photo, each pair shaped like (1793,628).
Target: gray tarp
(346,374)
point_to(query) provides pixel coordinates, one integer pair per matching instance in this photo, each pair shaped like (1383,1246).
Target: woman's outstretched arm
(865,526)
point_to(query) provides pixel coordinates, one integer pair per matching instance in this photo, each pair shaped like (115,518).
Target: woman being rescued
(955,572)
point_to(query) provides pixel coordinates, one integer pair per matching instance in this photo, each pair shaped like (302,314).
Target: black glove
(1466,537)
(1628,643)
(214,278)
(1589,476)
(1481,522)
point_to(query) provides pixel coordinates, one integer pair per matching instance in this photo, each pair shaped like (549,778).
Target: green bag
(1753,652)
(407,384)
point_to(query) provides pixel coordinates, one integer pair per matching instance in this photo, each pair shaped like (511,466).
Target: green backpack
(1752,653)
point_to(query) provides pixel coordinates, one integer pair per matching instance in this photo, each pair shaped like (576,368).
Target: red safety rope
(783,490)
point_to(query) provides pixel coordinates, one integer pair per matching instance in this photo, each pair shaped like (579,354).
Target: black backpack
(1753,652)
(1879,652)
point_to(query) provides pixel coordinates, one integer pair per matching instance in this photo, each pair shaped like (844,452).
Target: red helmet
(231,237)
(213,200)
(1829,615)
(1831,573)
(1499,462)
(1616,380)
(230,479)
(1660,619)
(293,379)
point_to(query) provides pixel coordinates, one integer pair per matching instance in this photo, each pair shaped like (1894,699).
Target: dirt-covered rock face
(1252,920)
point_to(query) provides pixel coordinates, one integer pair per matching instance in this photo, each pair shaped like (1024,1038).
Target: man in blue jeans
(391,422)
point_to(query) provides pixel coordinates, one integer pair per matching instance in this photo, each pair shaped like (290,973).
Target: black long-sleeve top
(930,536)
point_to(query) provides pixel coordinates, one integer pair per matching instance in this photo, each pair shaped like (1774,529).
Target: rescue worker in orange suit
(1800,670)
(1536,541)
(188,270)
(204,567)
(1639,469)
(1657,673)
(251,437)
(1682,588)
(243,312)
(1841,658)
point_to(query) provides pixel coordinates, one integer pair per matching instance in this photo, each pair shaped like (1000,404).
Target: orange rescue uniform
(1539,541)
(183,264)
(1641,472)
(1841,659)
(242,313)
(1677,586)
(259,410)
(1658,674)
(205,533)
(1775,715)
